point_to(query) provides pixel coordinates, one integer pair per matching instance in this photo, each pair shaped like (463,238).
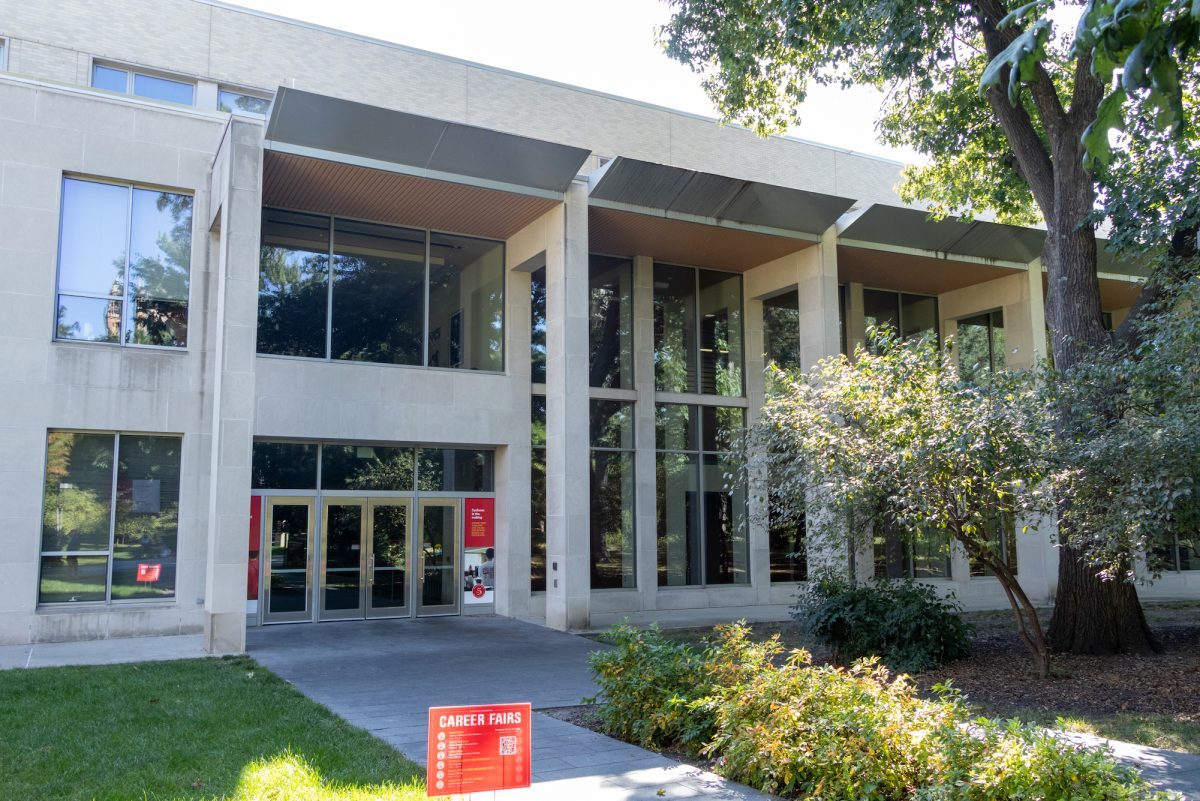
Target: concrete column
(237,188)
(856,323)
(820,334)
(568,575)
(644,459)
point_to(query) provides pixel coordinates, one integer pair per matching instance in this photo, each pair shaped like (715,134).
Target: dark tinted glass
(678,520)
(722,426)
(611,520)
(789,557)
(918,316)
(147,517)
(676,427)
(378,293)
(781,330)
(610,290)
(537,334)
(880,308)
(611,424)
(366,467)
(720,333)
(284,465)
(78,492)
(451,470)
(466,303)
(727,548)
(293,284)
(674,328)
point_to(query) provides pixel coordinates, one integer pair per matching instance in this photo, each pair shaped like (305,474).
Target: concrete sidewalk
(383,675)
(102,652)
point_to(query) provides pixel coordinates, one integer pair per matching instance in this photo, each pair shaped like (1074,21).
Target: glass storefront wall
(357,291)
(697,331)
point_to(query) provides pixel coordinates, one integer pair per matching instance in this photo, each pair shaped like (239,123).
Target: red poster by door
(479,523)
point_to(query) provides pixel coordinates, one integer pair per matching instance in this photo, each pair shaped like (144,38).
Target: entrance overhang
(340,157)
(702,219)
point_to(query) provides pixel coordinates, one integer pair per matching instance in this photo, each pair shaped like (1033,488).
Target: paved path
(1171,770)
(102,652)
(383,675)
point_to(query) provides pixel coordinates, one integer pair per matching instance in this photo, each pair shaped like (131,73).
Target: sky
(607,46)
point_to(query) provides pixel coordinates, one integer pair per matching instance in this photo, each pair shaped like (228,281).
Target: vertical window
(1001,540)
(537,495)
(537,333)
(3,54)
(231,100)
(701,504)
(1183,551)
(284,465)
(909,316)
(124,264)
(785,533)
(110,519)
(697,331)
(610,292)
(920,554)
(355,291)
(781,330)
(612,487)
(133,82)
(466,303)
(980,343)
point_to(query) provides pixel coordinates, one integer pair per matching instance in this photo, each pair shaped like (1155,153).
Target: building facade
(315,327)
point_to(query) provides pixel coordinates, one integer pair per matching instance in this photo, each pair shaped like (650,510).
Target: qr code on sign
(508,746)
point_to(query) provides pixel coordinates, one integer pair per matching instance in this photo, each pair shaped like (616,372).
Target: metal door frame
(324,615)
(419,610)
(369,552)
(266,568)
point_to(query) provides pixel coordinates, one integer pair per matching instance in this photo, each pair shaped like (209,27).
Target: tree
(1001,103)
(899,438)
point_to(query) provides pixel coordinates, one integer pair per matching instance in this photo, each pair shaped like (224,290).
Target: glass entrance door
(343,558)
(438,582)
(389,528)
(287,583)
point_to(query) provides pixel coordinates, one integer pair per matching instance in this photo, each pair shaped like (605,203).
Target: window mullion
(329,295)
(112,518)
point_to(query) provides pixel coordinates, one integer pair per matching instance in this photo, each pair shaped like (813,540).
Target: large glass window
(537,495)
(454,470)
(980,343)
(785,533)
(124,264)
(701,501)
(132,82)
(909,316)
(612,487)
(697,331)
(537,334)
(921,554)
(781,330)
(364,292)
(610,291)
(1001,538)
(284,465)
(110,519)
(373,468)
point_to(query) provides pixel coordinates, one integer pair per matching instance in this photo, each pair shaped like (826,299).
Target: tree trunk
(1093,616)
(1090,616)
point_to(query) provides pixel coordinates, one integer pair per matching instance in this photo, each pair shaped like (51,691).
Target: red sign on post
(477,748)
(147,572)
(479,523)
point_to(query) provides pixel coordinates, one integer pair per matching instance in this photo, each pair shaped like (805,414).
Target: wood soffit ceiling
(910,273)
(328,187)
(624,233)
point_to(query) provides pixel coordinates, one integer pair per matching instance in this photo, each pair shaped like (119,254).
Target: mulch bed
(998,677)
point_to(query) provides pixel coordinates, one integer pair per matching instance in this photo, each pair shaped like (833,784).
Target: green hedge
(786,727)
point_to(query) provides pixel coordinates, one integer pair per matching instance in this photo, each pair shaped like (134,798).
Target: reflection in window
(1183,551)
(466,303)
(124,266)
(230,100)
(612,487)
(697,331)
(132,82)
(537,334)
(94,515)
(1001,541)
(980,343)
(921,554)
(781,330)
(909,316)
(537,495)
(701,504)
(378,293)
(610,291)
(379,296)
(789,557)
(454,470)
(367,467)
(284,465)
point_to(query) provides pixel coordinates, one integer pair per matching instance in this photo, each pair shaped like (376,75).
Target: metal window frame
(131,70)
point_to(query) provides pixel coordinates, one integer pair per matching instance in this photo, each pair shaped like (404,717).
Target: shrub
(908,625)
(648,683)
(827,733)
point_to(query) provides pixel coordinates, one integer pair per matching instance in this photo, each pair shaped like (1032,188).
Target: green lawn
(186,730)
